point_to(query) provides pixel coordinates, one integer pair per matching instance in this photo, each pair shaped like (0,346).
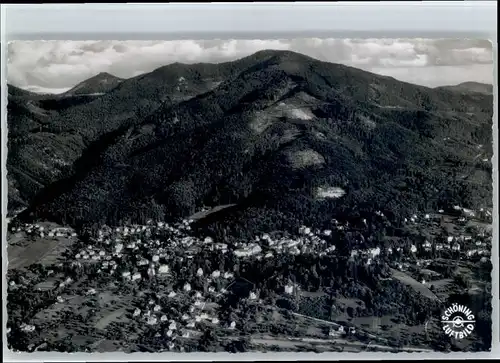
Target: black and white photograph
(250,195)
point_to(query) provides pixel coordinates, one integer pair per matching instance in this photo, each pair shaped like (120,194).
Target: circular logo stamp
(458,321)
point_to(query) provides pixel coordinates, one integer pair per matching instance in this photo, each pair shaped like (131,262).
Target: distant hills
(475,87)
(285,138)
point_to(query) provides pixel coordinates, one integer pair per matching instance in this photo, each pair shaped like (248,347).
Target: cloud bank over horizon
(56,66)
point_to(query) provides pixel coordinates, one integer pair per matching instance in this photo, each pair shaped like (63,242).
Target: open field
(325,345)
(46,251)
(417,286)
(23,250)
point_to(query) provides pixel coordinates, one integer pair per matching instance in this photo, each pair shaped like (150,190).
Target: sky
(56,66)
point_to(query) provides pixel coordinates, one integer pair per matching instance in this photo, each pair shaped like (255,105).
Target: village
(152,285)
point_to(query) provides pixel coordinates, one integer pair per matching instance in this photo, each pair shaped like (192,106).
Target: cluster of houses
(40,231)
(466,245)
(136,252)
(151,247)
(308,241)
(177,324)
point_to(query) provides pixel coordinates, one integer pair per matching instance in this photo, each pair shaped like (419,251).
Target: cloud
(57,65)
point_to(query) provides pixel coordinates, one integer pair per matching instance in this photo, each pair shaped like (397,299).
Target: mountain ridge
(272,135)
(102,82)
(71,129)
(475,87)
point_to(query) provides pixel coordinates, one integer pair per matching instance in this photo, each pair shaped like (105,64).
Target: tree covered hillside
(276,137)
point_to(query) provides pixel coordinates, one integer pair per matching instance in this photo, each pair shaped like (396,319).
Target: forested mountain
(49,133)
(286,138)
(100,83)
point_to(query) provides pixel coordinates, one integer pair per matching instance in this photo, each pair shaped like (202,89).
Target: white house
(187,286)
(469,212)
(118,247)
(471,253)
(204,316)
(91,291)
(142,262)
(334,333)
(256,249)
(163,269)
(242,253)
(375,252)
(152,320)
(136,276)
(27,327)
